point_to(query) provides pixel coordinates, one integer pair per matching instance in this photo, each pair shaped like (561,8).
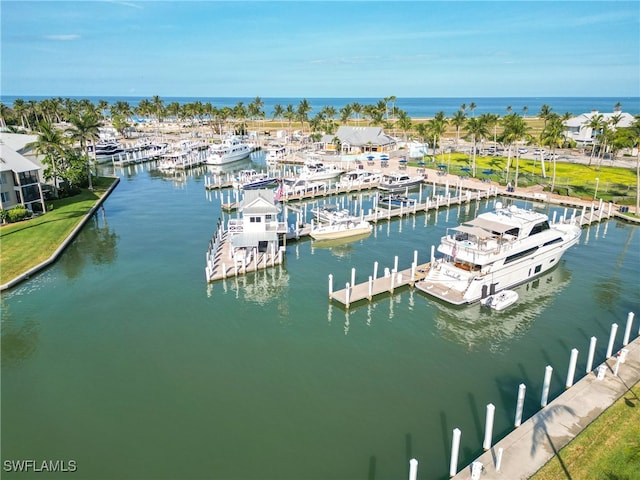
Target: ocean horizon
(417,107)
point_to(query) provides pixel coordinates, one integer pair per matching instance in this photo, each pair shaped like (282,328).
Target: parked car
(539,151)
(522,150)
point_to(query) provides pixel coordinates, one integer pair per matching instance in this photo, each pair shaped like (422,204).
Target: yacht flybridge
(496,251)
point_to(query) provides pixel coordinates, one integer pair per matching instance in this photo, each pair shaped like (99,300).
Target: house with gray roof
(20,177)
(355,140)
(578,129)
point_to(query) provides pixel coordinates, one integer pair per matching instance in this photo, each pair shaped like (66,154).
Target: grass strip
(24,245)
(609,448)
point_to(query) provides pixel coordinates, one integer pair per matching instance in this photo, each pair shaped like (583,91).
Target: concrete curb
(530,446)
(64,244)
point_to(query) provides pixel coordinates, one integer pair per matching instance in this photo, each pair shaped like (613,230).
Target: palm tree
(458,119)
(544,114)
(85,129)
(596,124)
(553,136)
(515,130)
(436,127)
(51,144)
(478,130)
(472,107)
(158,107)
(278,111)
(303,111)
(404,123)
(617,107)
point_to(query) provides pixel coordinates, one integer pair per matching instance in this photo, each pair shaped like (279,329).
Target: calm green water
(122,358)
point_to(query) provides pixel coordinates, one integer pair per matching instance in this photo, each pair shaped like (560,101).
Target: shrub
(17,213)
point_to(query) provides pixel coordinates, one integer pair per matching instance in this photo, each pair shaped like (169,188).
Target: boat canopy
(490,225)
(479,233)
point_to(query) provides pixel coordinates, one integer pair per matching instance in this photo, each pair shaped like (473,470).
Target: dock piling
(612,338)
(455,449)
(488,426)
(545,385)
(413,469)
(627,330)
(330,285)
(592,350)
(572,368)
(522,388)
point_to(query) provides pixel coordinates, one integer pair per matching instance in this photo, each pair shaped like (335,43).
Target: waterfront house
(579,130)
(354,140)
(20,173)
(257,229)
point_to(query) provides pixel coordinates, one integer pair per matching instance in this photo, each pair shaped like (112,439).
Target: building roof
(626,119)
(359,136)
(17,141)
(261,201)
(10,160)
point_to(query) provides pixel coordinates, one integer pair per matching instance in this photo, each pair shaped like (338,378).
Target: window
(5,197)
(540,227)
(551,242)
(518,255)
(255,219)
(3,179)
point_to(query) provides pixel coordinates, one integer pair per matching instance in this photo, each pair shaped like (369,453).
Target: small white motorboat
(501,300)
(353,227)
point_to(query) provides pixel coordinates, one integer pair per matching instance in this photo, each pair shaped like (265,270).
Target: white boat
(275,154)
(501,300)
(394,200)
(399,182)
(496,251)
(330,213)
(249,179)
(298,186)
(354,227)
(230,150)
(313,170)
(359,179)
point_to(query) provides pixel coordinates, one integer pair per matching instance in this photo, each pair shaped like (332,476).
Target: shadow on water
(18,342)
(476,326)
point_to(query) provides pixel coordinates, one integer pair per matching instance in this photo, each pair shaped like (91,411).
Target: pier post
(522,388)
(488,427)
(455,449)
(370,288)
(433,254)
(627,330)
(612,338)
(347,294)
(353,276)
(592,350)
(415,257)
(393,278)
(413,469)
(553,220)
(330,285)
(395,263)
(545,385)
(572,368)
(375,270)
(413,273)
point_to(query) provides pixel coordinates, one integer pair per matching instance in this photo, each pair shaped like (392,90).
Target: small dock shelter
(251,240)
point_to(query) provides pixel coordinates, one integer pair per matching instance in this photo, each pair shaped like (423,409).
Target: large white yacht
(496,251)
(230,150)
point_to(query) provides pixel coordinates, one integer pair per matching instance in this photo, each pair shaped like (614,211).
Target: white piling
(393,278)
(375,270)
(572,368)
(415,257)
(413,469)
(455,449)
(520,404)
(353,276)
(592,350)
(545,385)
(370,287)
(488,427)
(347,295)
(612,338)
(395,263)
(330,285)
(499,459)
(627,330)
(433,254)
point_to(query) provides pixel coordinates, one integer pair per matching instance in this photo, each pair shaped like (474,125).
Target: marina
(348,363)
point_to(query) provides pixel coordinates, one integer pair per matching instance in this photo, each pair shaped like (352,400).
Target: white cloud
(64,37)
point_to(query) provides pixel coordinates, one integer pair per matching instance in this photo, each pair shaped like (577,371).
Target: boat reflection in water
(340,247)
(474,325)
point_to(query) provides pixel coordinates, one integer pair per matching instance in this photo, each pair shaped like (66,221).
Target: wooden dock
(376,286)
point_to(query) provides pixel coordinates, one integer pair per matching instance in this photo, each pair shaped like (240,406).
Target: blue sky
(320,49)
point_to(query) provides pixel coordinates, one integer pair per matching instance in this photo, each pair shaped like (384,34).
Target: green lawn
(607,449)
(573,179)
(26,244)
